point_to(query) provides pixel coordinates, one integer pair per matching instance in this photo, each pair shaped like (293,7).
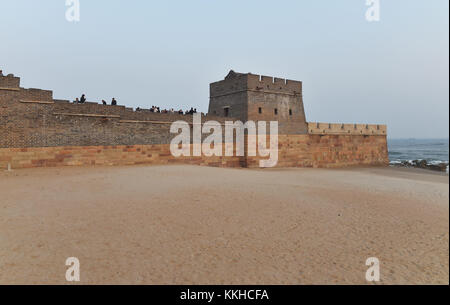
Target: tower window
(276,111)
(259,110)
(290,111)
(226,111)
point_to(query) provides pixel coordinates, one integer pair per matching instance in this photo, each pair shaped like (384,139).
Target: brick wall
(294,151)
(326,151)
(28,118)
(36,130)
(104,155)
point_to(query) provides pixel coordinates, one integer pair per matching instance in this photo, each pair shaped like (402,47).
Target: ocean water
(434,151)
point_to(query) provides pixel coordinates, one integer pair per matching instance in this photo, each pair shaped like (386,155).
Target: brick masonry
(328,151)
(37,130)
(294,151)
(158,154)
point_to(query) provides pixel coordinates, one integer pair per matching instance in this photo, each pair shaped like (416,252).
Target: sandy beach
(201,225)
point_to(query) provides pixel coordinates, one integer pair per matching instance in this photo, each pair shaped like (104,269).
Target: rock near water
(441,167)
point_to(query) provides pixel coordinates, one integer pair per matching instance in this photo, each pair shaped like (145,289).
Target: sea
(434,151)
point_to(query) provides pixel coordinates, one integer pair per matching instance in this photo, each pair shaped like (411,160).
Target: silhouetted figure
(83,99)
(103,102)
(114,102)
(1,72)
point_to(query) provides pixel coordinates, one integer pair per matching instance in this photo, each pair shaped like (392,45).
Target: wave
(395,153)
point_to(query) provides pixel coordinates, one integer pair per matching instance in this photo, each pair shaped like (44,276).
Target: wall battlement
(274,84)
(346,129)
(235,82)
(9,82)
(10,86)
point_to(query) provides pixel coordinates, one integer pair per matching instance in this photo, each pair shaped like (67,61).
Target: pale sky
(166,53)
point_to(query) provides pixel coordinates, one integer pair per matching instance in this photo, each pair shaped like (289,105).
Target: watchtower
(260,98)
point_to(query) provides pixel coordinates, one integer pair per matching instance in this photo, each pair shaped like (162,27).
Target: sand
(200,225)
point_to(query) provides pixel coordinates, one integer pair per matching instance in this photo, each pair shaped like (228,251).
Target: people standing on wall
(103,102)
(113,102)
(76,101)
(83,99)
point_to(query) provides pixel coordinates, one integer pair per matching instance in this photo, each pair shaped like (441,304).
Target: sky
(165,53)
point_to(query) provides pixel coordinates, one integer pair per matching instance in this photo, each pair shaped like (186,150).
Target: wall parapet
(274,84)
(346,129)
(10,82)
(241,82)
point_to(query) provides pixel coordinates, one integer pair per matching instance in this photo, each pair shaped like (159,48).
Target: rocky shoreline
(424,164)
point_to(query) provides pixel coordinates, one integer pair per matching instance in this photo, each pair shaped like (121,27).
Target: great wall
(38,130)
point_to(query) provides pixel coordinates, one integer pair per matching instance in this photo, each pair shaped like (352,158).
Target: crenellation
(296,86)
(9,82)
(279,81)
(346,129)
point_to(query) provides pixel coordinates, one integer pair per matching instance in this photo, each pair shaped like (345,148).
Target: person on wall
(83,99)
(113,102)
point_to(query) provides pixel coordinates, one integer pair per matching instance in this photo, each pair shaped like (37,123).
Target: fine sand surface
(200,225)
